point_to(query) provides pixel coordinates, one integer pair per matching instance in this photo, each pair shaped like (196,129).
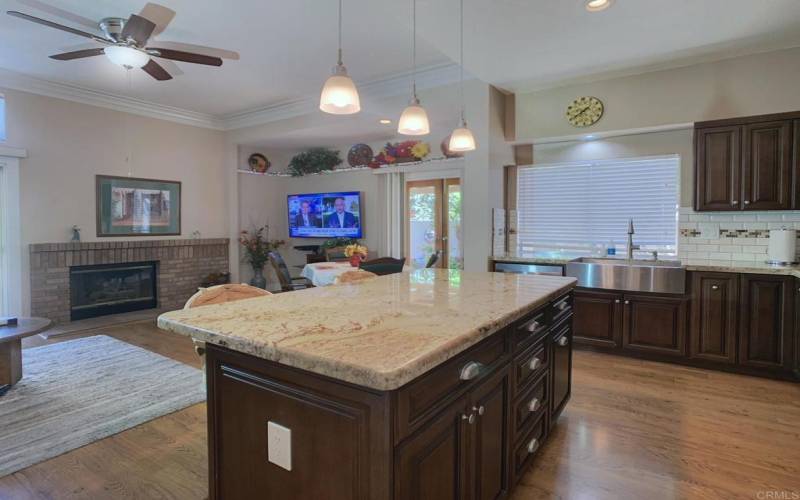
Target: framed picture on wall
(128,206)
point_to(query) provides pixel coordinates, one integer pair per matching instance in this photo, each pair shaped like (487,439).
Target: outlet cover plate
(279,445)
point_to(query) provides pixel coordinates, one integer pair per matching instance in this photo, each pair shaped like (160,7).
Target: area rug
(79,391)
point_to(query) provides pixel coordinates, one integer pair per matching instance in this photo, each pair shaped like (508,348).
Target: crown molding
(429,77)
(18,81)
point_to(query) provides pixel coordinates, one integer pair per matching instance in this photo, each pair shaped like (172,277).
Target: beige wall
(69,143)
(749,85)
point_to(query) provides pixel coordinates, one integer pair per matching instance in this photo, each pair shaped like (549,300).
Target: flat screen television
(325,215)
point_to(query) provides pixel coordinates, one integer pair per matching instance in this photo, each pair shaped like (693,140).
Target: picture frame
(133,206)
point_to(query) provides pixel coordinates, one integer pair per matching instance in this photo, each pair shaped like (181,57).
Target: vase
(355,260)
(258,280)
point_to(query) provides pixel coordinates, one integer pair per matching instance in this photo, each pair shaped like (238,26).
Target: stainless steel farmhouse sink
(658,276)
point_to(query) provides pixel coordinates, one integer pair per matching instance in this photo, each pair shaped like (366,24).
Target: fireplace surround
(102,289)
(180,266)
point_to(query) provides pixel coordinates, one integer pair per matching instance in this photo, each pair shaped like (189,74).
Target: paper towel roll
(782,246)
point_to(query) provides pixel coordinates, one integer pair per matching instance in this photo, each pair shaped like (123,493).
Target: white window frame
(10,233)
(4,138)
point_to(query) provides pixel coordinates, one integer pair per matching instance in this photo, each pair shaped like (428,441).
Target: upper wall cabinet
(747,163)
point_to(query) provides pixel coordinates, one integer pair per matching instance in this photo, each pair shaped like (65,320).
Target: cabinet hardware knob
(627,302)
(534,405)
(469,418)
(563,341)
(562,305)
(715,287)
(746,202)
(535,363)
(533,326)
(735,202)
(480,409)
(616,301)
(471,370)
(533,445)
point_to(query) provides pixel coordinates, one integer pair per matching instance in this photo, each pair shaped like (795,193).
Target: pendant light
(414,120)
(462,139)
(339,95)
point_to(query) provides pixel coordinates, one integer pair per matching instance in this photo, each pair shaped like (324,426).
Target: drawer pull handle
(627,302)
(469,418)
(715,287)
(563,341)
(746,202)
(535,363)
(734,202)
(616,301)
(563,305)
(471,370)
(534,405)
(480,409)
(533,326)
(533,445)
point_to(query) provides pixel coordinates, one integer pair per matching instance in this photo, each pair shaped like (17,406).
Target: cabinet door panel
(597,320)
(432,463)
(767,165)
(654,324)
(561,371)
(490,402)
(765,326)
(718,168)
(714,307)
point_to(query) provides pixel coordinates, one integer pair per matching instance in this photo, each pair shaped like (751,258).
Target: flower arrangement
(400,152)
(257,246)
(356,253)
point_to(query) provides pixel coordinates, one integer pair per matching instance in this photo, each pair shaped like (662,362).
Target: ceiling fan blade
(156,71)
(63,14)
(161,16)
(138,29)
(57,26)
(190,57)
(78,54)
(200,49)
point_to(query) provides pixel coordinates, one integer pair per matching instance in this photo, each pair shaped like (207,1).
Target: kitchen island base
(466,429)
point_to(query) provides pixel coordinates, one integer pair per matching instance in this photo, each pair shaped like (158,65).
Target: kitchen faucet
(631,246)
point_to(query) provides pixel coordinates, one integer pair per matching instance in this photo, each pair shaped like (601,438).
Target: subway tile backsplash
(724,238)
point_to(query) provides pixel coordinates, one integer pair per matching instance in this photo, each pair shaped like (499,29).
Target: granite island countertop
(380,333)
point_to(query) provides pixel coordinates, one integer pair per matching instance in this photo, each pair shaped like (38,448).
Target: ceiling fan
(125,41)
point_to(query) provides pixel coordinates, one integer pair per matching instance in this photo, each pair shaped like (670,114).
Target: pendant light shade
(339,94)
(461,139)
(414,120)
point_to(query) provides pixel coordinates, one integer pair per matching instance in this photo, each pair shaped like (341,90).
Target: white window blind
(578,206)
(2,118)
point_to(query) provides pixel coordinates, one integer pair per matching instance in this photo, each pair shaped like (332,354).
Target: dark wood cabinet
(490,404)
(748,163)
(598,318)
(654,324)
(717,173)
(766,165)
(715,300)
(561,371)
(765,328)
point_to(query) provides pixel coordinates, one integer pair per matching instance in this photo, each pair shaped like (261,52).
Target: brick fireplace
(180,264)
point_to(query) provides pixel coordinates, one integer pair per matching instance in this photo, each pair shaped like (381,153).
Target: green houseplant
(313,161)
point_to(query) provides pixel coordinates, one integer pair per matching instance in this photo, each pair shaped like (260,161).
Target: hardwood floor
(634,429)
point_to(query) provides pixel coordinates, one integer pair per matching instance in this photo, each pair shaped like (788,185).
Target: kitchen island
(429,384)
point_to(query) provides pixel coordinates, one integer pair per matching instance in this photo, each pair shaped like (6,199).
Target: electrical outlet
(279,445)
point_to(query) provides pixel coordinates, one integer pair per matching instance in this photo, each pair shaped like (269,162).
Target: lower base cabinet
(468,429)
(747,323)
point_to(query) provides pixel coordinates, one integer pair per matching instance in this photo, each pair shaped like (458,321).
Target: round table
(325,273)
(11,348)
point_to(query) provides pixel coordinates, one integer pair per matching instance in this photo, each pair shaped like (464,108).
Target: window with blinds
(586,205)
(2,118)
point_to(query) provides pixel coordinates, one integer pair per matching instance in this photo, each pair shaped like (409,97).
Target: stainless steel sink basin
(658,276)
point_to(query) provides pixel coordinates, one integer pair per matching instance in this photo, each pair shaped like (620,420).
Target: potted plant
(313,161)
(257,247)
(357,253)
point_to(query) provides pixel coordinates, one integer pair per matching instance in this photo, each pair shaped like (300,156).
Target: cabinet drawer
(560,308)
(530,329)
(530,364)
(526,448)
(529,406)
(422,397)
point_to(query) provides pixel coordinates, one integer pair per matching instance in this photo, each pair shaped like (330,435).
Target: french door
(433,223)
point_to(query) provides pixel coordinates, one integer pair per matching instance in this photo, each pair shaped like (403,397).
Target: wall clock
(584,111)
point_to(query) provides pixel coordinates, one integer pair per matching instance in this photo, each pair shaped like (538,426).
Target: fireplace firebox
(112,288)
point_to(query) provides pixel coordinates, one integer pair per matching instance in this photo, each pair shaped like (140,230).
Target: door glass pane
(455,256)
(422,224)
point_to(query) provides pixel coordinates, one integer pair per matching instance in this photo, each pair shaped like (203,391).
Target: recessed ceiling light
(385,121)
(598,5)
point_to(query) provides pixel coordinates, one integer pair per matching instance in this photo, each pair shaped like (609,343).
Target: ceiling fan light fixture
(598,5)
(339,94)
(414,120)
(127,57)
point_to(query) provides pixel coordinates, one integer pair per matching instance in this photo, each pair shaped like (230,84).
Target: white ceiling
(288,47)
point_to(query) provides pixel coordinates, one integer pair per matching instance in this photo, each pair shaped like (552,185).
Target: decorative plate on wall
(359,155)
(258,163)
